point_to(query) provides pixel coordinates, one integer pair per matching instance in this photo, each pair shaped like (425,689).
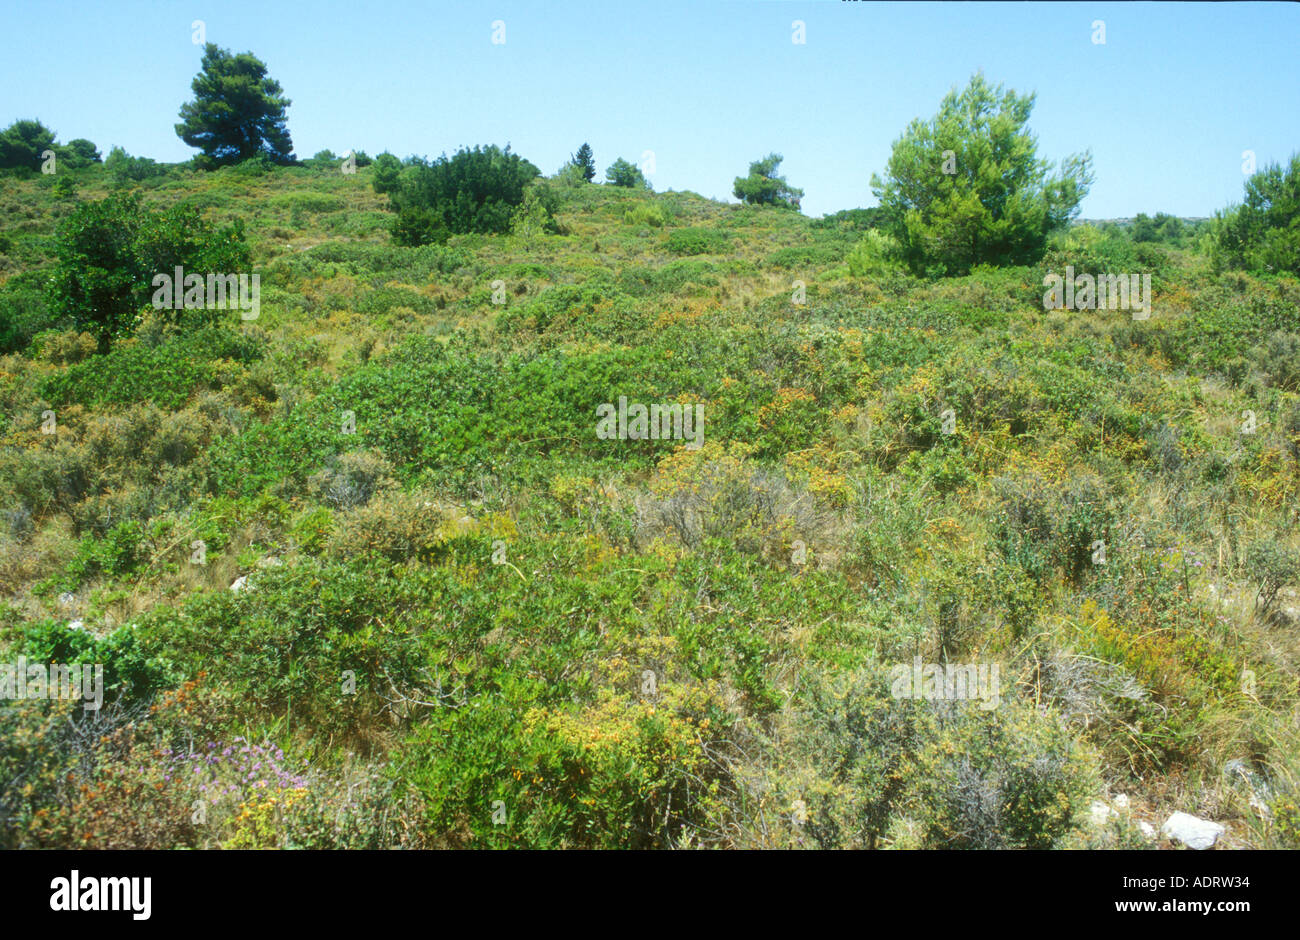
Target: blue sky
(1167,105)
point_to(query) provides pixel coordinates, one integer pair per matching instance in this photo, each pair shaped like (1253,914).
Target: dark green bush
(24,311)
(108,253)
(472,191)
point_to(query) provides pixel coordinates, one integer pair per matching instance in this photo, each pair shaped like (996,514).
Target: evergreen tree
(23,142)
(967,188)
(237,112)
(586,161)
(764,187)
(629,175)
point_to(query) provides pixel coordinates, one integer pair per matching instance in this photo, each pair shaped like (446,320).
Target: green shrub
(641,215)
(24,312)
(166,374)
(472,191)
(874,770)
(307,202)
(127,169)
(697,241)
(874,255)
(109,252)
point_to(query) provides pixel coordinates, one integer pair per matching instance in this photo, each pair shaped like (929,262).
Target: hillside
(375,533)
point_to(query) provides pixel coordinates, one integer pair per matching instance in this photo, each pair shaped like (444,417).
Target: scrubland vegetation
(463,620)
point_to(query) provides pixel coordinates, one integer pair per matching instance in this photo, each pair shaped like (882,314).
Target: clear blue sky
(1167,105)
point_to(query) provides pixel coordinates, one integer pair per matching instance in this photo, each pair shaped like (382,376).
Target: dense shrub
(166,374)
(697,241)
(24,311)
(128,169)
(874,255)
(471,191)
(108,253)
(642,215)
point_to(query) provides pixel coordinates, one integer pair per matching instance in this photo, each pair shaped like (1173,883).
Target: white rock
(1148,830)
(1191,831)
(1099,812)
(240,583)
(76,625)
(1260,807)
(1121,800)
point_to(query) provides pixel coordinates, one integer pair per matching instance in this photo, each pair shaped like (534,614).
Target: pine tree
(586,161)
(237,112)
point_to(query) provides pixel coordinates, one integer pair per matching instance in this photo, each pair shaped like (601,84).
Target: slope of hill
(376,534)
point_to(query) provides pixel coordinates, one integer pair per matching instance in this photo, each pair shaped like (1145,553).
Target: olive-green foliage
(697,241)
(166,373)
(453,589)
(650,215)
(875,254)
(918,774)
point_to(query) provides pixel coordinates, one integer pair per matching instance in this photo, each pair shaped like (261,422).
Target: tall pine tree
(237,112)
(586,161)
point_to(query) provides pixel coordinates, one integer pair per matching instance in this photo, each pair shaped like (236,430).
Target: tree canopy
(967,188)
(108,252)
(23,142)
(628,175)
(586,162)
(238,111)
(1263,233)
(765,187)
